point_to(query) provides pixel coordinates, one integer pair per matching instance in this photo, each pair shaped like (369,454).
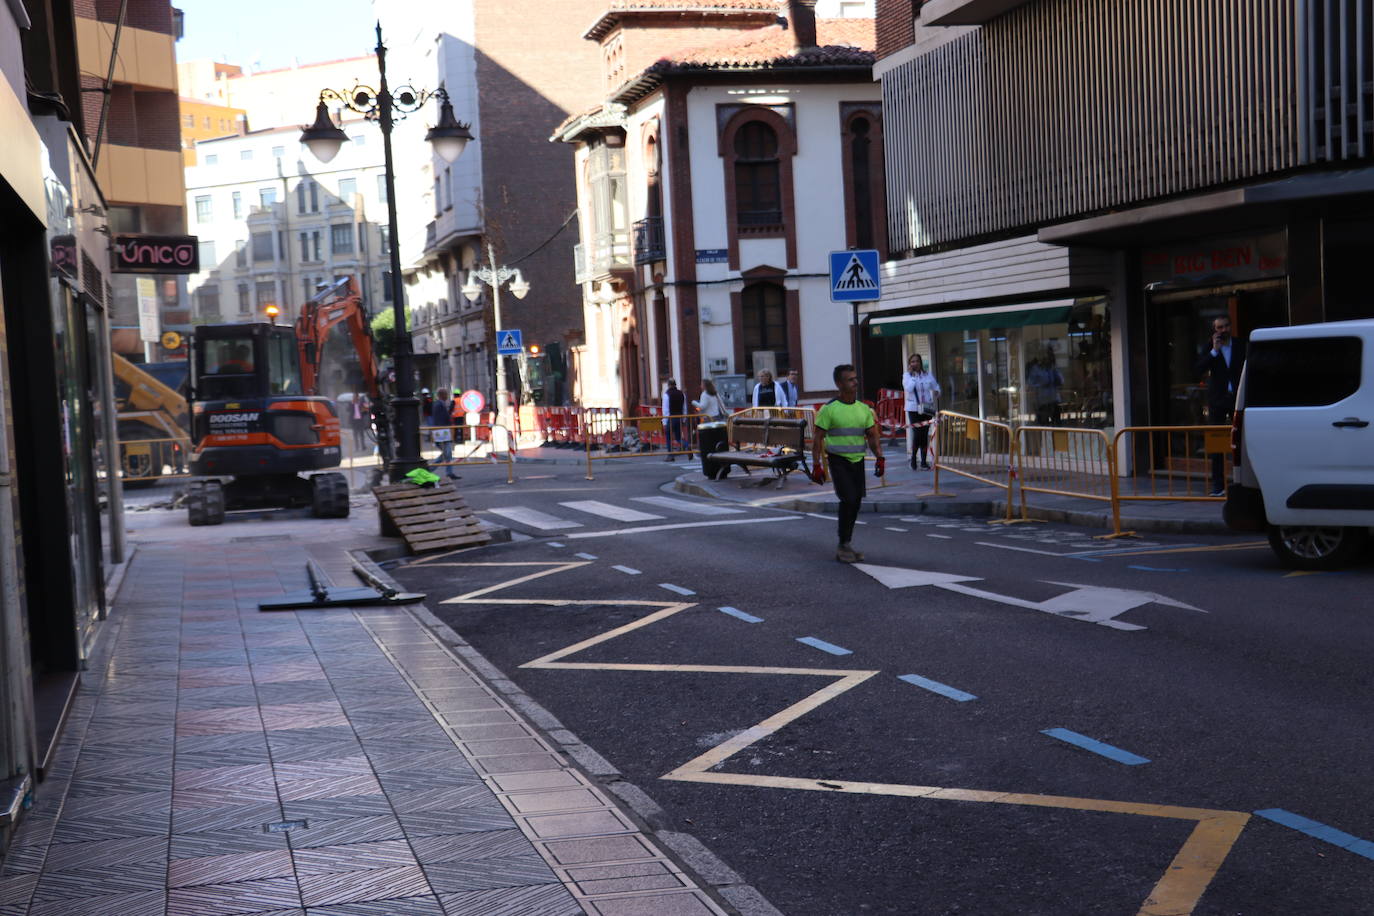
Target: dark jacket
(1221,399)
(441,413)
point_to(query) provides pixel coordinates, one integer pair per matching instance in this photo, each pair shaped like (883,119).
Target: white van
(1303,443)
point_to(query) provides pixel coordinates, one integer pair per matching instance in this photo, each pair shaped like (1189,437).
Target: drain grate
(285,826)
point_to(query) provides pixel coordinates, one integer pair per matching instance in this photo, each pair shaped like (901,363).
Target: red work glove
(879,466)
(818,474)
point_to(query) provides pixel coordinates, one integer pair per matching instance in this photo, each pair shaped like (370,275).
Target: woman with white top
(921,391)
(768,393)
(709,406)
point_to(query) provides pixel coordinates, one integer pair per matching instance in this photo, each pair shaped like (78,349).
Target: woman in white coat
(921,391)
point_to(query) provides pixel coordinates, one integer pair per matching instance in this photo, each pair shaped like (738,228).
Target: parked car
(1303,444)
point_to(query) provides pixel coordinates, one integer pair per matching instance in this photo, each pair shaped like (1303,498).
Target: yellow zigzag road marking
(1176,893)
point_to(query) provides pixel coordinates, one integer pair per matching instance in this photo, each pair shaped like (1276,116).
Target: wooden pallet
(430,518)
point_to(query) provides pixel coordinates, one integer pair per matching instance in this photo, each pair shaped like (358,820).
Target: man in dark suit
(1221,363)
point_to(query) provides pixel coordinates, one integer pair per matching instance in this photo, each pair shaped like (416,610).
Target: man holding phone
(845,427)
(1221,363)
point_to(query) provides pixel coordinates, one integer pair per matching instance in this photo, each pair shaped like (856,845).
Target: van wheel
(1316,548)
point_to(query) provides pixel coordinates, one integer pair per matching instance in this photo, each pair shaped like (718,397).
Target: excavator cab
(251,421)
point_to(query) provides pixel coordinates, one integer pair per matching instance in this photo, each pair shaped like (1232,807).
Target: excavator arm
(338,304)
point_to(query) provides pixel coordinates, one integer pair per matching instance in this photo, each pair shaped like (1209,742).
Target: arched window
(758,179)
(763,308)
(861,152)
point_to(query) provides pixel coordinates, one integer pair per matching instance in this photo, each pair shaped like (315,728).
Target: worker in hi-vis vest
(845,428)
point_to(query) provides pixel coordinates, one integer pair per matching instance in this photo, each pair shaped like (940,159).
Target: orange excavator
(258,420)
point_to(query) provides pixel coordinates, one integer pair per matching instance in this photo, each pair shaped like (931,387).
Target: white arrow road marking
(1092,603)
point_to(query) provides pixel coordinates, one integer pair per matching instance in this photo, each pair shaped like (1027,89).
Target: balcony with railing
(581,270)
(648,240)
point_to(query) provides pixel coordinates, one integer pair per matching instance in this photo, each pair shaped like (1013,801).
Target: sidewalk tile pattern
(219,761)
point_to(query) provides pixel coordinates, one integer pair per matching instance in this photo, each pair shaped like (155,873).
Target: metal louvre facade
(1067,107)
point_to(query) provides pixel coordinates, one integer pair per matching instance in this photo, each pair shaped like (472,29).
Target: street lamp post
(449,137)
(494,276)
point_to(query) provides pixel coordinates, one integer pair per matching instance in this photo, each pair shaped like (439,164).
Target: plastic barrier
(1177,461)
(891,411)
(617,436)
(477,446)
(978,449)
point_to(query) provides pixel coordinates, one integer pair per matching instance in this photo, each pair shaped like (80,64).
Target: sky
(266,34)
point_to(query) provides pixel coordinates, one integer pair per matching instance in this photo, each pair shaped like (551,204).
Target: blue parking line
(1157,568)
(676,588)
(824,646)
(1319,831)
(943,690)
(1097,747)
(736,612)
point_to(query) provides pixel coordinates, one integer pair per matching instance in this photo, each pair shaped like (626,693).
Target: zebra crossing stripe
(607,510)
(533,518)
(686,505)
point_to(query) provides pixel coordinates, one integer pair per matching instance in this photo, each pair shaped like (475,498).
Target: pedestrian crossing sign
(509,343)
(854,276)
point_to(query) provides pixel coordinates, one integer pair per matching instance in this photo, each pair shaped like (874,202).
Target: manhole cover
(284,826)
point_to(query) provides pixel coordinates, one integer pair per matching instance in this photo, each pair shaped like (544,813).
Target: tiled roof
(616,9)
(838,41)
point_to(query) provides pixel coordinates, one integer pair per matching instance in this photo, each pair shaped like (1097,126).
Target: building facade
(275,225)
(1194,161)
(60,522)
(132,123)
(732,153)
(510,198)
(202,120)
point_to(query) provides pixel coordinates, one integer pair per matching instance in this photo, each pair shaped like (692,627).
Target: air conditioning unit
(719,366)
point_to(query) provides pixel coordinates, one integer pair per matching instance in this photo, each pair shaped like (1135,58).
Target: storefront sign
(156,254)
(1218,260)
(149,327)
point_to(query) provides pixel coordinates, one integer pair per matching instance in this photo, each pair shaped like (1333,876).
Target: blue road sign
(509,343)
(854,276)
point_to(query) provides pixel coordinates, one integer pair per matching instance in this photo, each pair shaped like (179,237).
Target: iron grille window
(758,176)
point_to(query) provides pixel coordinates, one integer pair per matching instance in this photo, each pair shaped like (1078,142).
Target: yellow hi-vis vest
(844,426)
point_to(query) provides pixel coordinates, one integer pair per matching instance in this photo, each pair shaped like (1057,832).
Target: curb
(986,508)
(711,873)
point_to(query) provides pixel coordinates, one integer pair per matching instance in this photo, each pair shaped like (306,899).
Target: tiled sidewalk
(220,760)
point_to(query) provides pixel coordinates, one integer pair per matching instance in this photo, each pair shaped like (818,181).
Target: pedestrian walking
(768,393)
(674,407)
(440,417)
(1221,363)
(709,404)
(791,388)
(843,427)
(921,391)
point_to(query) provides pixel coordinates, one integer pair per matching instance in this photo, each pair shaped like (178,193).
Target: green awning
(972,319)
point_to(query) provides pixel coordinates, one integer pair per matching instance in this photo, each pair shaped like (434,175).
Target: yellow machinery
(153,420)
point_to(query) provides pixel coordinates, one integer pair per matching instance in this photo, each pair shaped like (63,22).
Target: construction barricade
(476,444)
(977,449)
(143,462)
(1068,461)
(610,434)
(890,409)
(1174,462)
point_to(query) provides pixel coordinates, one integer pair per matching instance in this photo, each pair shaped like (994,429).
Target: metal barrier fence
(617,436)
(143,460)
(1068,461)
(479,445)
(977,449)
(1179,461)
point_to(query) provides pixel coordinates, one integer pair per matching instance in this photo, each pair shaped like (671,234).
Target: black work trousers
(920,435)
(848,479)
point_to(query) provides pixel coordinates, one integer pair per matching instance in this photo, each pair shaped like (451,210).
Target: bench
(759,442)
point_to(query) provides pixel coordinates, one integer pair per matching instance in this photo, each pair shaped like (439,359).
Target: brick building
(1191,163)
(737,143)
(133,128)
(513,77)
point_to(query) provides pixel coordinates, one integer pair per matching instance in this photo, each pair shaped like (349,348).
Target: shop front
(1040,363)
(1187,286)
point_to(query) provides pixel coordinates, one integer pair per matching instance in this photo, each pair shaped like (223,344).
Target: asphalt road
(921,752)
